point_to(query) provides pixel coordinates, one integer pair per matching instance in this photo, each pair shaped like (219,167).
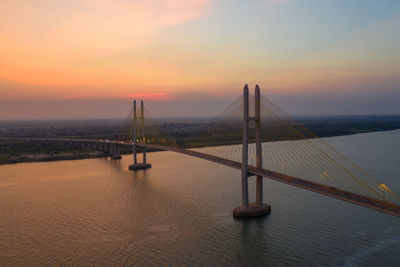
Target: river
(179,212)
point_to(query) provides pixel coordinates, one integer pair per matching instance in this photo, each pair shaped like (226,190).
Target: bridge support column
(106,149)
(111,149)
(257,208)
(257,114)
(144,164)
(115,152)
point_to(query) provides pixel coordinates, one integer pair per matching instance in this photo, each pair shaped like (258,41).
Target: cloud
(50,42)
(200,104)
(150,96)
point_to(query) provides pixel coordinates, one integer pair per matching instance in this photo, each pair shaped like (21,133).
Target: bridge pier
(111,149)
(116,153)
(106,149)
(254,209)
(144,165)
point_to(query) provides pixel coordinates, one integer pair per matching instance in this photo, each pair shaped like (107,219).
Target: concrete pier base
(254,210)
(139,166)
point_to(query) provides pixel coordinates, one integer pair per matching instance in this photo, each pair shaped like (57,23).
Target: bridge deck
(372,203)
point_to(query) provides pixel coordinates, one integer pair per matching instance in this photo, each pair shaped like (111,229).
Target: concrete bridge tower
(144,164)
(256,208)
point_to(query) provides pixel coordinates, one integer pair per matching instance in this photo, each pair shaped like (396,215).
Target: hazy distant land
(185,132)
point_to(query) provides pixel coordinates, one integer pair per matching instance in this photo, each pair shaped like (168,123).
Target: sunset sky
(90,58)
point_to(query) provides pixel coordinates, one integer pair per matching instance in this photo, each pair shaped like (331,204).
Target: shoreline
(98,154)
(42,158)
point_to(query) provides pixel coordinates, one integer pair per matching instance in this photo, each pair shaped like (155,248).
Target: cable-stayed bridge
(277,148)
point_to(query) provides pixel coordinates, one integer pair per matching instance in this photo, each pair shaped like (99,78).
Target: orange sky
(70,49)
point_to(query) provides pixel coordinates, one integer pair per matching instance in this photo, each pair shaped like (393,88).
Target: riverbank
(54,157)
(87,154)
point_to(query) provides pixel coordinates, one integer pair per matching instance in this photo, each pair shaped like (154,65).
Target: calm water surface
(96,212)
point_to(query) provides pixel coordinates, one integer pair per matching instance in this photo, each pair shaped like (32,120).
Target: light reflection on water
(96,212)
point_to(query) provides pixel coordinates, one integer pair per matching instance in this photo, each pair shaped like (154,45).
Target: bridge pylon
(257,208)
(144,164)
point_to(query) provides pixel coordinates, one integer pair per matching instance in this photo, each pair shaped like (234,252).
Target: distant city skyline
(89,59)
